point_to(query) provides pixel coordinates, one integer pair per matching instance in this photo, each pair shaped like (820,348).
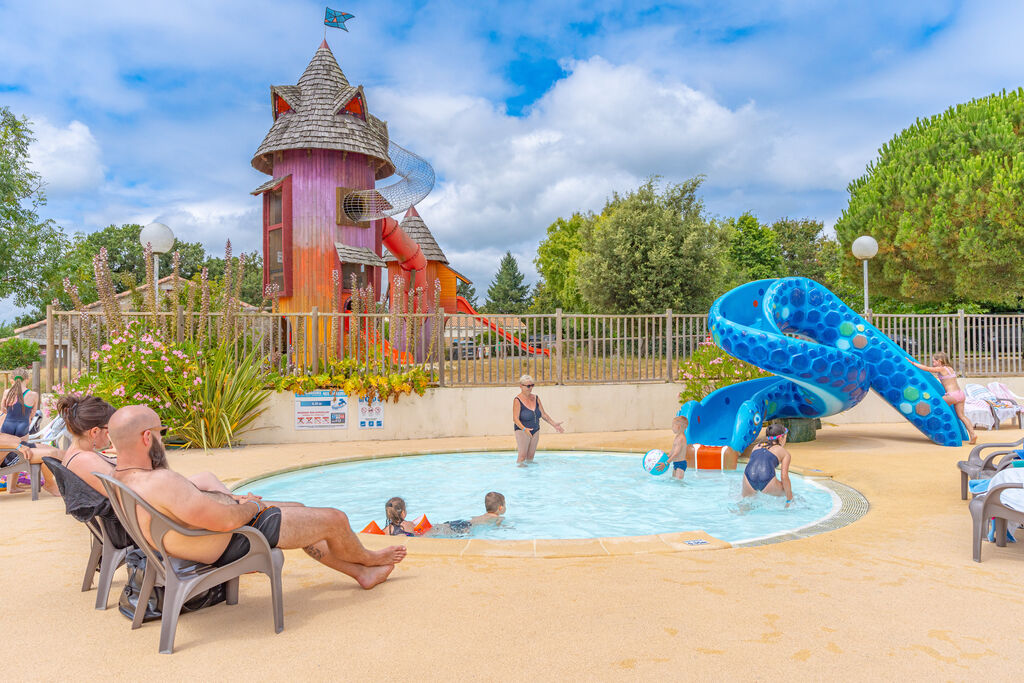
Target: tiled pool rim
(851,506)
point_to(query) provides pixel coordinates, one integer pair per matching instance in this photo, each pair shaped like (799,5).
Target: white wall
(487,411)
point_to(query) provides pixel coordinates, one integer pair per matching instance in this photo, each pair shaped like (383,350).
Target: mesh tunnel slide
(825,358)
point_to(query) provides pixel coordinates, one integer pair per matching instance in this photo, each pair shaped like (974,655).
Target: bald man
(323,533)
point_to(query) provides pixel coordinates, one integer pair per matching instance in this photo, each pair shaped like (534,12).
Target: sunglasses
(528,386)
(158,428)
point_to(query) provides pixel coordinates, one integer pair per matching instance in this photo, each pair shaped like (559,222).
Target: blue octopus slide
(824,357)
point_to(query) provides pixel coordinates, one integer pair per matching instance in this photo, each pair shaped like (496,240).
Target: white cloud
(68,158)
(602,128)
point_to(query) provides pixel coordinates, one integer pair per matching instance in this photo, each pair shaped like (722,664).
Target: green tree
(252,276)
(804,248)
(507,293)
(648,251)
(944,201)
(557,262)
(30,248)
(753,249)
(467,291)
(125,255)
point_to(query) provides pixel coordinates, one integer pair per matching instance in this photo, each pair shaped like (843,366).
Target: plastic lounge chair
(21,465)
(976,467)
(1004,393)
(989,506)
(1002,410)
(109,541)
(979,413)
(182,579)
(54,433)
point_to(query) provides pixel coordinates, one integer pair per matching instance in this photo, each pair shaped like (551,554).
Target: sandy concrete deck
(893,595)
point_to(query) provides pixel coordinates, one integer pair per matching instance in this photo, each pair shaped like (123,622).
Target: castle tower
(437,263)
(323,144)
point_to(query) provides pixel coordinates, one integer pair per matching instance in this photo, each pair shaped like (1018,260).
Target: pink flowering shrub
(711,368)
(206,397)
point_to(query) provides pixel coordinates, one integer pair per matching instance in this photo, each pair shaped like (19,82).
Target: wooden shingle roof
(362,255)
(313,122)
(415,228)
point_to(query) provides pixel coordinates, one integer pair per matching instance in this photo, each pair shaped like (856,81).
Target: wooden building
(323,143)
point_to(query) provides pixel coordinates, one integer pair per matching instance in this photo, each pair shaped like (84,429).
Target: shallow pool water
(562,495)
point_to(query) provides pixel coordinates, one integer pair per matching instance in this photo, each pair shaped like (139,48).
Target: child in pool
(494,506)
(678,457)
(394,512)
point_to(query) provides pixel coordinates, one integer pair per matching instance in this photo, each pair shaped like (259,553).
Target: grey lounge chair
(182,579)
(17,467)
(983,508)
(109,542)
(976,467)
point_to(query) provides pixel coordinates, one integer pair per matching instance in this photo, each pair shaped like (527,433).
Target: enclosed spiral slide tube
(825,358)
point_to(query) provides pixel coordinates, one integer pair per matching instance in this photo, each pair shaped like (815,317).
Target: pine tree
(507,293)
(467,291)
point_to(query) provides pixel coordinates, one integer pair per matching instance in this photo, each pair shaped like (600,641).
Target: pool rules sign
(371,414)
(322,409)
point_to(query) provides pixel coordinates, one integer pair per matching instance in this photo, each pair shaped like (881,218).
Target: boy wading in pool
(678,457)
(759,474)
(494,504)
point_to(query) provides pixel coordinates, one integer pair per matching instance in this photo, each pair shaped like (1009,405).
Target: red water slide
(404,248)
(462,306)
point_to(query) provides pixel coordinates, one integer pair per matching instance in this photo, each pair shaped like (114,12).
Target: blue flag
(337,19)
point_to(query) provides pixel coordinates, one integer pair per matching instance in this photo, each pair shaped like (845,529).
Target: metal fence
(490,350)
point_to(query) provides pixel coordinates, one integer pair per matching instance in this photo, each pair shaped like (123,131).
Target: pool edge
(675,542)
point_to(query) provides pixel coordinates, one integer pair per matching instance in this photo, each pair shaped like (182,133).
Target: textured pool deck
(892,594)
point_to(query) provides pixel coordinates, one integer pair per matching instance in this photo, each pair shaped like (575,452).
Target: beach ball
(656,461)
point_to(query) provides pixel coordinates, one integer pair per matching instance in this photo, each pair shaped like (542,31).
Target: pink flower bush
(710,368)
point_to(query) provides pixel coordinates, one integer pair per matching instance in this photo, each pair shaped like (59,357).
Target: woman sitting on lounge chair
(955,396)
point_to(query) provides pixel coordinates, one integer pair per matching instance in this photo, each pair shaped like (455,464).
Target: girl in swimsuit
(759,474)
(394,511)
(954,394)
(18,406)
(527,412)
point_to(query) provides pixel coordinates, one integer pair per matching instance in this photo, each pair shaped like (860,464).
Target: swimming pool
(562,495)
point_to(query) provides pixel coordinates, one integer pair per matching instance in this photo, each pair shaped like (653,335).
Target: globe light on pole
(161,240)
(864,248)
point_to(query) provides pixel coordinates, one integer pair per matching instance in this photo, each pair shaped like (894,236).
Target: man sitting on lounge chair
(323,533)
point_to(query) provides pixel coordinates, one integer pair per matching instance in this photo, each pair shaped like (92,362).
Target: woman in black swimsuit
(527,412)
(759,475)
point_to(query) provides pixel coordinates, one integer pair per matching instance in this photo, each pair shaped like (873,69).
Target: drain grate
(852,506)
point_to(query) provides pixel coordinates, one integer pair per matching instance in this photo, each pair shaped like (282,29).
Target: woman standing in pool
(954,394)
(527,413)
(759,474)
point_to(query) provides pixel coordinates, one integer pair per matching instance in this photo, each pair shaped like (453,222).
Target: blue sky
(528,111)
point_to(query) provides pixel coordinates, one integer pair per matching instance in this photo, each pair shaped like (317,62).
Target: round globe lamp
(161,240)
(864,248)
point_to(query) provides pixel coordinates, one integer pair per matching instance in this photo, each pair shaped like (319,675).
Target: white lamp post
(161,240)
(865,247)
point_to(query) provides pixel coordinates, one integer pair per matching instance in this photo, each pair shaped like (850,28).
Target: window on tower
(358,270)
(277,237)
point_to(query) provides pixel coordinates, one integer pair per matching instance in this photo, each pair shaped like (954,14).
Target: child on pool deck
(494,506)
(678,457)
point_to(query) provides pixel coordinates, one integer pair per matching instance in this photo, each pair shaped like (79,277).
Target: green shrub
(710,368)
(18,353)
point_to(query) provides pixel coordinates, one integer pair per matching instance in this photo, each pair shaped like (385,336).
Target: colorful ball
(656,461)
